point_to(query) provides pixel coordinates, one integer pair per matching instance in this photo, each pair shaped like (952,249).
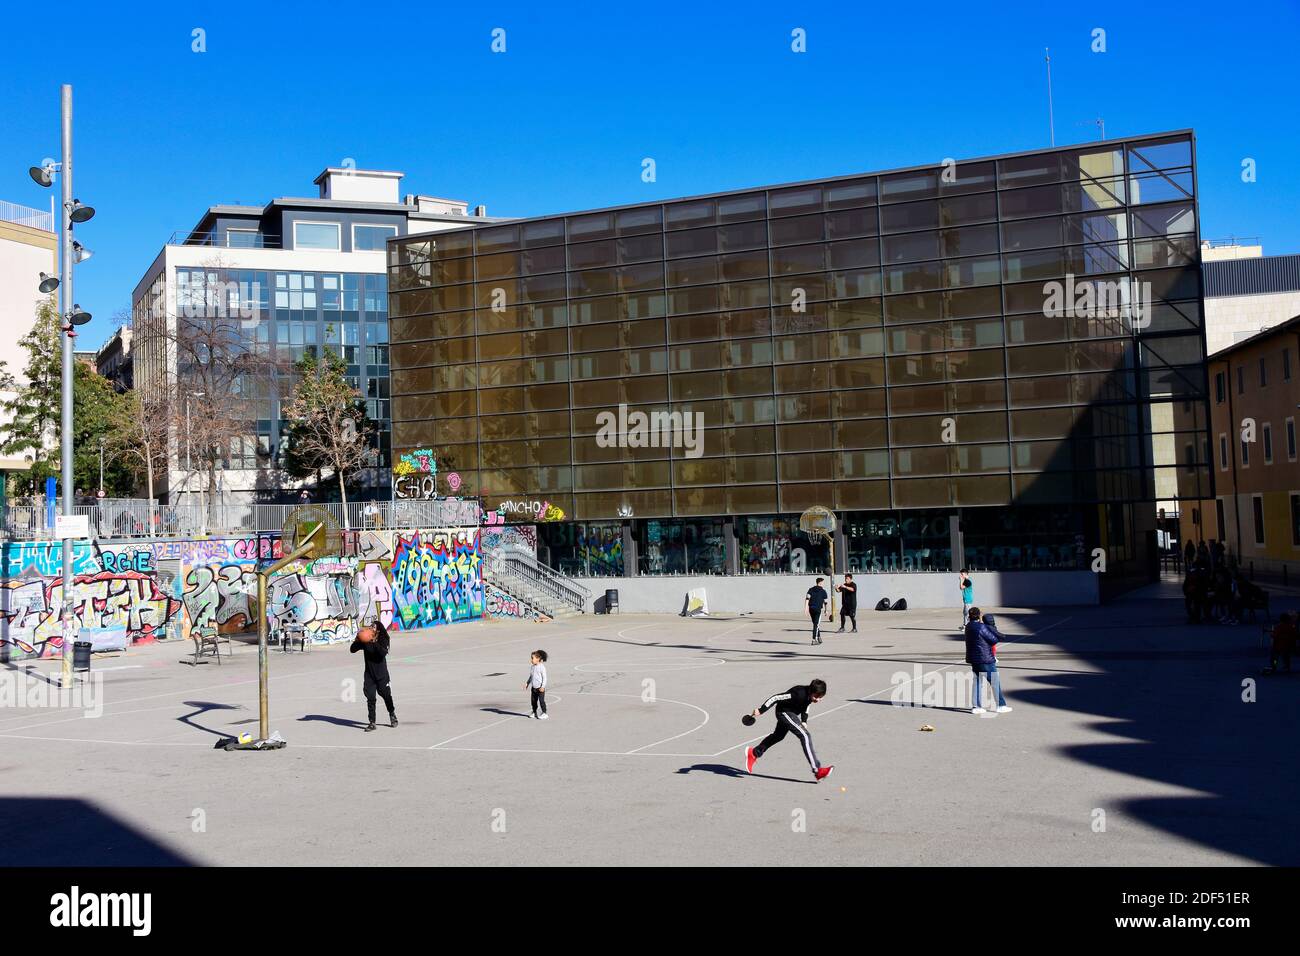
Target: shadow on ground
(54,831)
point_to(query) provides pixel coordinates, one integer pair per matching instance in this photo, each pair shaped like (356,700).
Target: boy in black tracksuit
(376,679)
(791,715)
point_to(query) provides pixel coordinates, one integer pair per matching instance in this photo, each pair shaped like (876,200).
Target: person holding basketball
(791,717)
(372,641)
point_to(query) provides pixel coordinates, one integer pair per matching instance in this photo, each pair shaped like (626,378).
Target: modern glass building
(971,363)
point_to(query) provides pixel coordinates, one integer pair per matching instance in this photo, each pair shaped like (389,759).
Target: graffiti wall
(499,604)
(145,591)
(513,536)
(436,577)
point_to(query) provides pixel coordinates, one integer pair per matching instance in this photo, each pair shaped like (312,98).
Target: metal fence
(26,216)
(26,519)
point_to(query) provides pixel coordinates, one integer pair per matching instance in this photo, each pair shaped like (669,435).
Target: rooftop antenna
(1051,122)
(1098,122)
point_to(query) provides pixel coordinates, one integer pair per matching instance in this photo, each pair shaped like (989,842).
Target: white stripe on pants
(795,724)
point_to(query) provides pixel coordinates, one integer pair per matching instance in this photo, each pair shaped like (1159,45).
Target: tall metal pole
(1051,120)
(66,302)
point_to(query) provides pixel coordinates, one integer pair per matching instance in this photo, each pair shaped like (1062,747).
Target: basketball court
(1129,743)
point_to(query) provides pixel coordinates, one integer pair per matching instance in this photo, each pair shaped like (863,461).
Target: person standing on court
(967,596)
(372,641)
(813,603)
(849,606)
(981,655)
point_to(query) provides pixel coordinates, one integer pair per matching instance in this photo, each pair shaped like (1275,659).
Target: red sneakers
(824,772)
(749,759)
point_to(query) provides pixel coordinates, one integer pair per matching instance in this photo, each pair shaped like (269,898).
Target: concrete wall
(785,592)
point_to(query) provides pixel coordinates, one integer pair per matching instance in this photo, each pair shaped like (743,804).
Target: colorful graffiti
(509,536)
(436,577)
(112,609)
(418,462)
(321,604)
(501,604)
(133,593)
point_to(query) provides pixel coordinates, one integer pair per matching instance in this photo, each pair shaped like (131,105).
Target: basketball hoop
(817,523)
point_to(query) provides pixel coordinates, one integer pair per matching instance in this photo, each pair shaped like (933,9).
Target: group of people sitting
(1214,589)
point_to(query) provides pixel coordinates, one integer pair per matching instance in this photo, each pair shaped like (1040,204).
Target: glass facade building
(284,317)
(998,341)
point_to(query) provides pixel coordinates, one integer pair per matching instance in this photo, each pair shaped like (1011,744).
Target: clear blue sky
(562,120)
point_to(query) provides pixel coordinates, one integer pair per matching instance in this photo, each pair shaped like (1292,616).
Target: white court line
(638,752)
(323,670)
(474,731)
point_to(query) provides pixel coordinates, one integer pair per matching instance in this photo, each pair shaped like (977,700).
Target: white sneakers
(1004,709)
(977,710)
(545,716)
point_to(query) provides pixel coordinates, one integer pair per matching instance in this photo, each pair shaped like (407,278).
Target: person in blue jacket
(981,655)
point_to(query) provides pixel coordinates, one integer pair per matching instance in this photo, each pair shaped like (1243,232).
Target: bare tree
(329,427)
(199,373)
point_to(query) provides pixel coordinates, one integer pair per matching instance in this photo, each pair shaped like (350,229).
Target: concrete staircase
(535,585)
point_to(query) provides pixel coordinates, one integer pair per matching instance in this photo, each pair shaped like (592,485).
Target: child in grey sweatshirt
(537,683)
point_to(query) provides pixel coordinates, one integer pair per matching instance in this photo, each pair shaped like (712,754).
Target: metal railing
(549,584)
(229,239)
(28,519)
(26,216)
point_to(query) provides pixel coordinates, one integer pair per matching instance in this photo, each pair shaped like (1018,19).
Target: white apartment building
(306,275)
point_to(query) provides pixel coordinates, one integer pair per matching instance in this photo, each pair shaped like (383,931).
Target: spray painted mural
(436,577)
(144,591)
(510,536)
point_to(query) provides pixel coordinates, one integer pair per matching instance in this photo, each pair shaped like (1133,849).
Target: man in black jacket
(849,608)
(372,641)
(792,716)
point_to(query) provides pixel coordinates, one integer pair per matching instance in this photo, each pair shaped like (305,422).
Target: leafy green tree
(35,426)
(329,429)
(97,408)
(32,426)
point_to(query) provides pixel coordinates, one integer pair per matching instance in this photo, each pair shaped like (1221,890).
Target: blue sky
(562,120)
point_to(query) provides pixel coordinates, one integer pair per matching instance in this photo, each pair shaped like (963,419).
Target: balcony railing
(230,239)
(26,216)
(25,519)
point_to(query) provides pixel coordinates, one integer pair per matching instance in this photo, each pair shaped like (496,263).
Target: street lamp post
(101,467)
(70,315)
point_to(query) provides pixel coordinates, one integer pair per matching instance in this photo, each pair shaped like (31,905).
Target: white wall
(775,593)
(24,254)
(1229,319)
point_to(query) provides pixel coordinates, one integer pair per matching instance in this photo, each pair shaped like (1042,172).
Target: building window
(316,235)
(1295,521)
(1223,453)
(1290,439)
(1263,372)
(1268,444)
(367,238)
(1221,528)
(241,238)
(1241,380)
(1220,388)
(1257,507)
(1245,454)
(1286,365)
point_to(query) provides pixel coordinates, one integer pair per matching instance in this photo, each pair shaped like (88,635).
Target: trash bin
(81,655)
(611,600)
